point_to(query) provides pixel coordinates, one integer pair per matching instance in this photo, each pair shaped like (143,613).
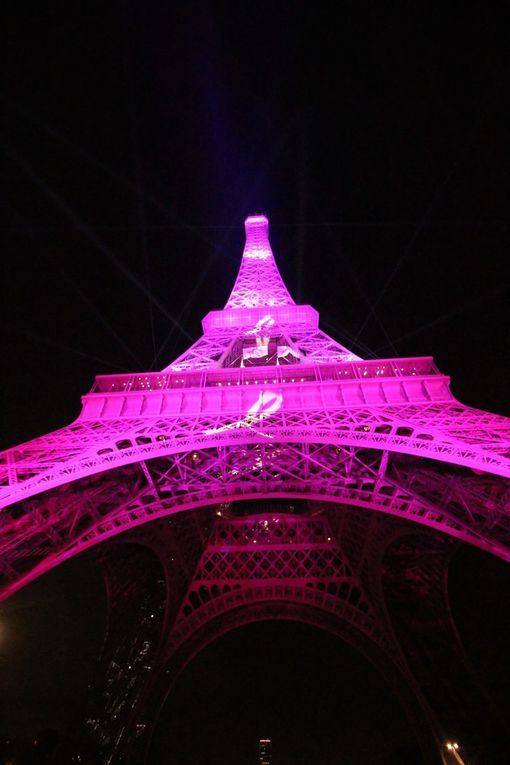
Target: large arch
(395,677)
(478,587)
(264,405)
(384,570)
(414,591)
(52,527)
(85,448)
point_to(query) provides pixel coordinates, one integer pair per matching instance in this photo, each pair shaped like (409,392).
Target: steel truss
(49,528)
(378,470)
(387,597)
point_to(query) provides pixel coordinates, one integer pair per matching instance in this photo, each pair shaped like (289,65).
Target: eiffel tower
(268,473)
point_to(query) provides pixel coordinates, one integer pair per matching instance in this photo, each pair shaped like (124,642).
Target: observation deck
(383,382)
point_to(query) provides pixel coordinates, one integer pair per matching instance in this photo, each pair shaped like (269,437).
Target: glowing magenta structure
(283,478)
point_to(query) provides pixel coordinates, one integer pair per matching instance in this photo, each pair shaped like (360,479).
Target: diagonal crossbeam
(263,403)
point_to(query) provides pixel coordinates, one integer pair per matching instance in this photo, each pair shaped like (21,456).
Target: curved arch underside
(443,431)
(264,405)
(414,579)
(49,528)
(370,579)
(341,627)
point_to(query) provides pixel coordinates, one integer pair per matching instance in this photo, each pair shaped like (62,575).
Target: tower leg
(415,586)
(136,592)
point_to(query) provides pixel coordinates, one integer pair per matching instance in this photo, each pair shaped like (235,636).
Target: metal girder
(61,523)
(263,405)
(275,564)
(414,575)
(91,448)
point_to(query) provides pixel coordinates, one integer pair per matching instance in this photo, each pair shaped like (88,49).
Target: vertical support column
(414,581)
(146,577)
(136,591)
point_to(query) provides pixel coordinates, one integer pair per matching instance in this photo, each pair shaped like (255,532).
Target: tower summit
(260,324)
(259,284)
(267,473)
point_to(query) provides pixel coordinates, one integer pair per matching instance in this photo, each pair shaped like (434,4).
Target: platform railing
(266,375)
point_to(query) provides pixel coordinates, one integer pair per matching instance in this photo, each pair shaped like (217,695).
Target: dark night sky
(136,138)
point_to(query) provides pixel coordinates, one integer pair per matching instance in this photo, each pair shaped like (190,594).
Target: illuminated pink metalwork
(259,284)
(264,406)
(260,323)
(262,396)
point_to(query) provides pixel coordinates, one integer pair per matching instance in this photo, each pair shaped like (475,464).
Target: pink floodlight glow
(263,406)
(257,239)
(257,220)
(257,253)
(258,351)
(259,282)
(333,427)
(264,323)
(267,403)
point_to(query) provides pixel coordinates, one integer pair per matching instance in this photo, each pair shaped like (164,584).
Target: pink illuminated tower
(268,473)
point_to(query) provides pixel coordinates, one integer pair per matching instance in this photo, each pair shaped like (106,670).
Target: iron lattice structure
(259,457)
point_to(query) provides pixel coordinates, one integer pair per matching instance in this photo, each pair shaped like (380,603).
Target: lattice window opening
(345,590)
(270,530)
(85,519)
(163,436)
(273,564)
(197,598)
(439,517)
(87,516)
(358,615)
